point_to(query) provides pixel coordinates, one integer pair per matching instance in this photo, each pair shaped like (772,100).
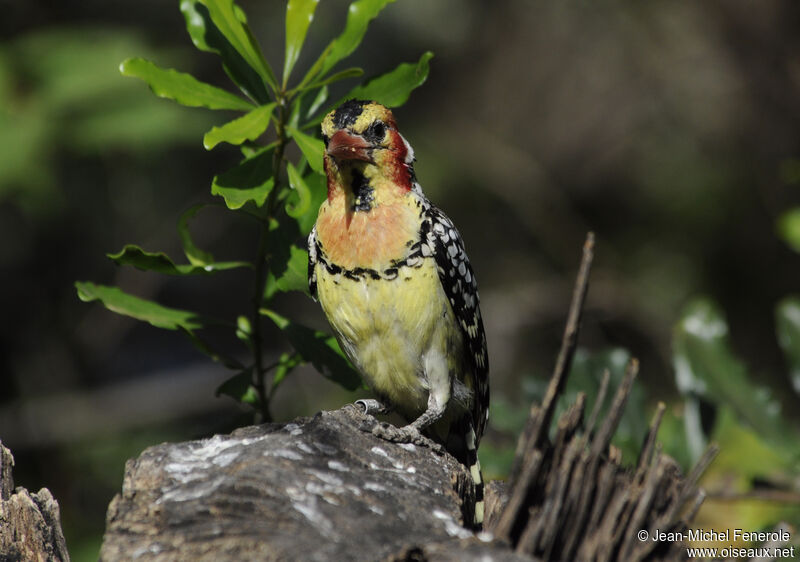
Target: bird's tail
(462,443)
(474,466)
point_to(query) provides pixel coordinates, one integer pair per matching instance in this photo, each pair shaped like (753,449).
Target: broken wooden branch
(571,497)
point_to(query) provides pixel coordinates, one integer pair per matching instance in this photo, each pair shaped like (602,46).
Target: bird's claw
(406,434)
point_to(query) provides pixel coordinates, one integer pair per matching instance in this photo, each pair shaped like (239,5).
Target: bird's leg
(434,412)
(411,433)
(373,407)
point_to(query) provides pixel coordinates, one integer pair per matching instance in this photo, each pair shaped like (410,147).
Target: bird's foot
(405,434)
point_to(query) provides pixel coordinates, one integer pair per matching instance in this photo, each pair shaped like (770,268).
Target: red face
(360,133)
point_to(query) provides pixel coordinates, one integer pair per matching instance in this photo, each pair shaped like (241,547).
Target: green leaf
(244,331)
(181,87)
(359,15)
(120,302)
(286,365)
(250,180)
(393,88)
(299,14)
(706,368)
(302,190)
(311,147)
(238,386)
(155,314)
(195,255)
(250,397)
(788,226)
(236,197)
(318,348)
(318,188)
(287,262)
(207,37)
(198,23)
(672,438)
(213,354)
(787,317)
(230,21)
(294,276)
(747,463)
(160,262)
(744,453)
(322,95)
(249,126)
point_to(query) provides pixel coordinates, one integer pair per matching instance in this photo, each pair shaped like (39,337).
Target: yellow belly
(390,329)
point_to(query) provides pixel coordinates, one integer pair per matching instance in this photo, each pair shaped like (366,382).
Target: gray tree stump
(30,524)
(316,489)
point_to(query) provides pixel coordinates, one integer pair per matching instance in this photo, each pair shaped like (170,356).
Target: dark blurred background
(669,129)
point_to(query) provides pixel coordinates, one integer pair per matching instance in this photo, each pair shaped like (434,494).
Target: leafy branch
(281,195)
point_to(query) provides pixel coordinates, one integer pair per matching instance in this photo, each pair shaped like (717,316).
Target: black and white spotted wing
(461,288)
(312,263)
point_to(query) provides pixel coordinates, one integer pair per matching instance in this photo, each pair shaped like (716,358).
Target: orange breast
(371,239)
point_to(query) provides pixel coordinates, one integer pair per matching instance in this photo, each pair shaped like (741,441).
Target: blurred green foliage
(707,371)
(725,403)
(59,91)
(788,223)
(787,318)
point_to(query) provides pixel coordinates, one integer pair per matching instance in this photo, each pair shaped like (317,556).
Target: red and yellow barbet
(392,276)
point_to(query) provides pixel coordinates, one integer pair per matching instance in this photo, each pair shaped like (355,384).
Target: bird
(391,274)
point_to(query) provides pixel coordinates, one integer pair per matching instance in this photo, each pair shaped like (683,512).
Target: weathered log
(30,524)
(320,488)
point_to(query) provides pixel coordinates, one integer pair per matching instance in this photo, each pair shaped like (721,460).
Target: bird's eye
(375,132)
(325,140)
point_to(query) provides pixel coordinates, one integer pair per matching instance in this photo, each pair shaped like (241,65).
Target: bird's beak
(349,146)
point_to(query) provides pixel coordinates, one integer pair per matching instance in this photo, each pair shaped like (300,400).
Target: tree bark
(30,524)
(321,488)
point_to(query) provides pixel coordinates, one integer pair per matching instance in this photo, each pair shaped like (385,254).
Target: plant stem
(255,333)
(259,371)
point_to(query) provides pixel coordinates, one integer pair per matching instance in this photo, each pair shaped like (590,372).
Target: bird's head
(362,144)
